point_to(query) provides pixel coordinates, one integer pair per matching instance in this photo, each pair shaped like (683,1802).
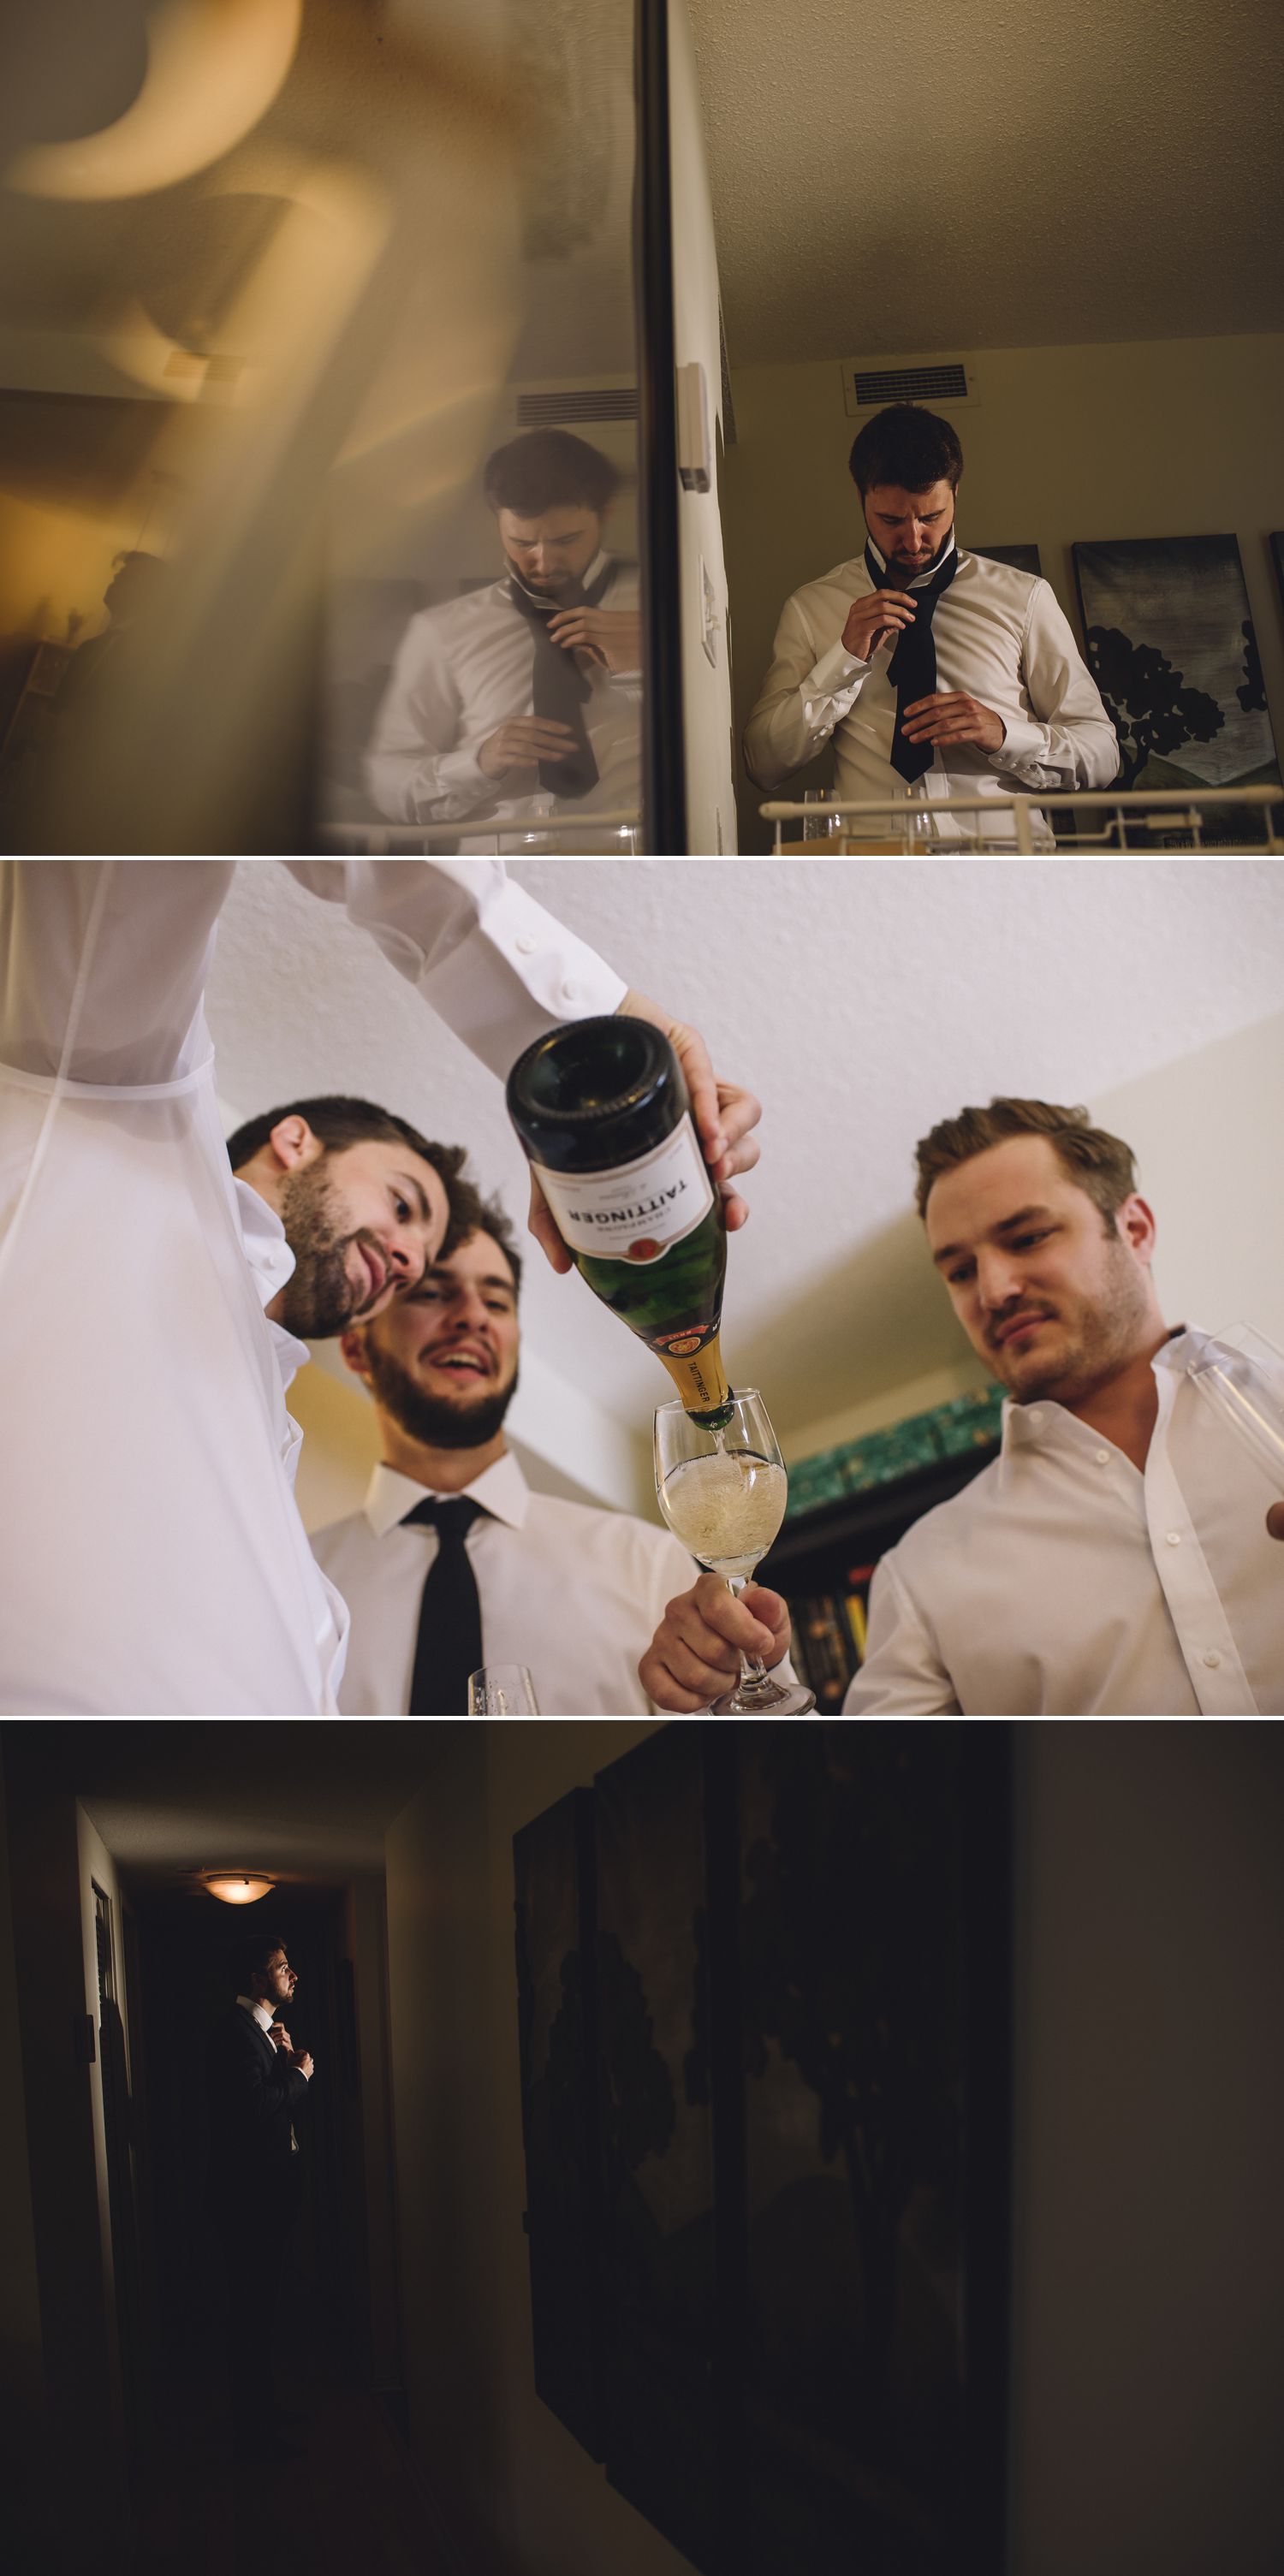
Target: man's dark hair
(548,469)
(251,1954)
(1099,1164)
(498,1226)
(339,1122)
(907,446)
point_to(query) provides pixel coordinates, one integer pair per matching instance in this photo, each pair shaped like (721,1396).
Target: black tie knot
(451,1515)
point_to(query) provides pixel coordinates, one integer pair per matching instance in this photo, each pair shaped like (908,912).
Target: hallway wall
(1149,2263)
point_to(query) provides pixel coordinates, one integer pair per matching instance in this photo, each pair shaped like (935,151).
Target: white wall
(1202,1131)
(1205,1134)
(706,687)
(1127,439)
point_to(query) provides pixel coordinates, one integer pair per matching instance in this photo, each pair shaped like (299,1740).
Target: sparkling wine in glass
(722,1491)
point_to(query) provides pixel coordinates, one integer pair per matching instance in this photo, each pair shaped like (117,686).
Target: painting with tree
(1171,645)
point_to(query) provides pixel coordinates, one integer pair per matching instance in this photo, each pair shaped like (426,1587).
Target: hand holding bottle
(723,1113)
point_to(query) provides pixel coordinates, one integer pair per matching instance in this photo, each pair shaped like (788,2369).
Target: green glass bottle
(601,1109)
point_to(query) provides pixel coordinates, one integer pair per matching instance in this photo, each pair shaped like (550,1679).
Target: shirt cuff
(459,785)
(1024,745)
(835,672)
(516,974)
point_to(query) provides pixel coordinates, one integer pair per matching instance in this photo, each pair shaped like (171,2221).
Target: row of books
(828,1636)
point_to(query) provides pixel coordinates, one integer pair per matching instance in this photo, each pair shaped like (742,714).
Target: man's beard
(318,1300)
(439,1421)
(1096,1337)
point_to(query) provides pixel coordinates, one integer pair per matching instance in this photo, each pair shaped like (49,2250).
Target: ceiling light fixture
(236,1888)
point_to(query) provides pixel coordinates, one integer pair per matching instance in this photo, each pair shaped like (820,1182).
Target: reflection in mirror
(317,350)
(483,663)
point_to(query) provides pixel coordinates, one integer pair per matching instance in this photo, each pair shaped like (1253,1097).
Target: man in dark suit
(258,2089)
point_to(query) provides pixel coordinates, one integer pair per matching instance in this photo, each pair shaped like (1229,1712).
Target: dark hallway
(1147,2262)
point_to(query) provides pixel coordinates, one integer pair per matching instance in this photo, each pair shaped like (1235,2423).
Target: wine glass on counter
(722,1489)
(502,1690)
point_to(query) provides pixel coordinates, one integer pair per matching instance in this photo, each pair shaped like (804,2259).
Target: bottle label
(637,1211)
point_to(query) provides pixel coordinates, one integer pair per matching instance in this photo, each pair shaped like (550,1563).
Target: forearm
(802,699)
(104,964)
(496,966)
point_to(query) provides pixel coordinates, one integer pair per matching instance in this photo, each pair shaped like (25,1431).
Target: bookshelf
(823,1561)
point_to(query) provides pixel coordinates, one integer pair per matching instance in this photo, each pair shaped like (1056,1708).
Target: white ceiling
(315,1803)
(991,175)
(862,1001)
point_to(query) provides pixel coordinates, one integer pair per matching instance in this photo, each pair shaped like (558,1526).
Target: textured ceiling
(861,1001)
(991,175)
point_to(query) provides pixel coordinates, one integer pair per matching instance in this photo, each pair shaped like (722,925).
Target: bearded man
(453,1561)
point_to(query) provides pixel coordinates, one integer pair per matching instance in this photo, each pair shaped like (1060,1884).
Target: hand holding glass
(723,1494)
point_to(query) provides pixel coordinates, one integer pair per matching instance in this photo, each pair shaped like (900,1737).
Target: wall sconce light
(235,1888)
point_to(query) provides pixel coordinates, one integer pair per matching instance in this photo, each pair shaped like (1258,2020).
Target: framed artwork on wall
(1021,558)
(799,2014)
(1171,646)
(1277,558)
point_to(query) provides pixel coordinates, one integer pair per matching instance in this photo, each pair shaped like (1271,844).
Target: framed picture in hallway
(799,2014)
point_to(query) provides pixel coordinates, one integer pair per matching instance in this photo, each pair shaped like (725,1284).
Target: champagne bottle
(601,1109)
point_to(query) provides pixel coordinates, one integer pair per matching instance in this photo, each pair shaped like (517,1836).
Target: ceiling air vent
(557,410)
(949,380)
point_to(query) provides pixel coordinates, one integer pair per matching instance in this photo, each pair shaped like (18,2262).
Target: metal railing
(619,834)
(1087,822)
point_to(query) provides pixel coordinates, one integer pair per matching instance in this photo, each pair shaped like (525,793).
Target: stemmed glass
(1241,1375)
(502,1690)
(723,1494)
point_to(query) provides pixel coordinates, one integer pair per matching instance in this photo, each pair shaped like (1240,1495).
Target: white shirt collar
(272,1263)
(501,1489)
(1025,1424)
(259,2012)
(540,598)
(920,577)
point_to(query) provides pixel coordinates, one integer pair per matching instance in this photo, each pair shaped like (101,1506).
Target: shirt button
(1212,1659)
(1034,1417)
(570,992)
(1173,1537)
(1102,1457)
(526,945)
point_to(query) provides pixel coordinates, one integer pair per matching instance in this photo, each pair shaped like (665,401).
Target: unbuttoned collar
(920,579)
(501,1490)
(1025,1425)
(541,598)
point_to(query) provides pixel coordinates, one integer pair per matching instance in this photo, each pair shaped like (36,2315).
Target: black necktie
(912,669)
(449,1644)
(560,689)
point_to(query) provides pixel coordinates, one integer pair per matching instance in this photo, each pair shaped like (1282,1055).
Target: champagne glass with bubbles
(722,1492)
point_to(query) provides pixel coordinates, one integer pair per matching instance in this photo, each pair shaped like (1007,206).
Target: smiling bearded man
(453,1560)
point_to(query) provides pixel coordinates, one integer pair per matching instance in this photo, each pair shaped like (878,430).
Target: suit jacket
(254,2097)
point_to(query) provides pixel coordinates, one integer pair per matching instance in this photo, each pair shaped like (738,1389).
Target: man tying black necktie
(561,686)
(942,677)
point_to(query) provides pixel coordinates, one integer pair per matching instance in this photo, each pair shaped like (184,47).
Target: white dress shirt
(576,1594)
(467,667)
(1062,1582)
(1000,636)
(155,1563)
